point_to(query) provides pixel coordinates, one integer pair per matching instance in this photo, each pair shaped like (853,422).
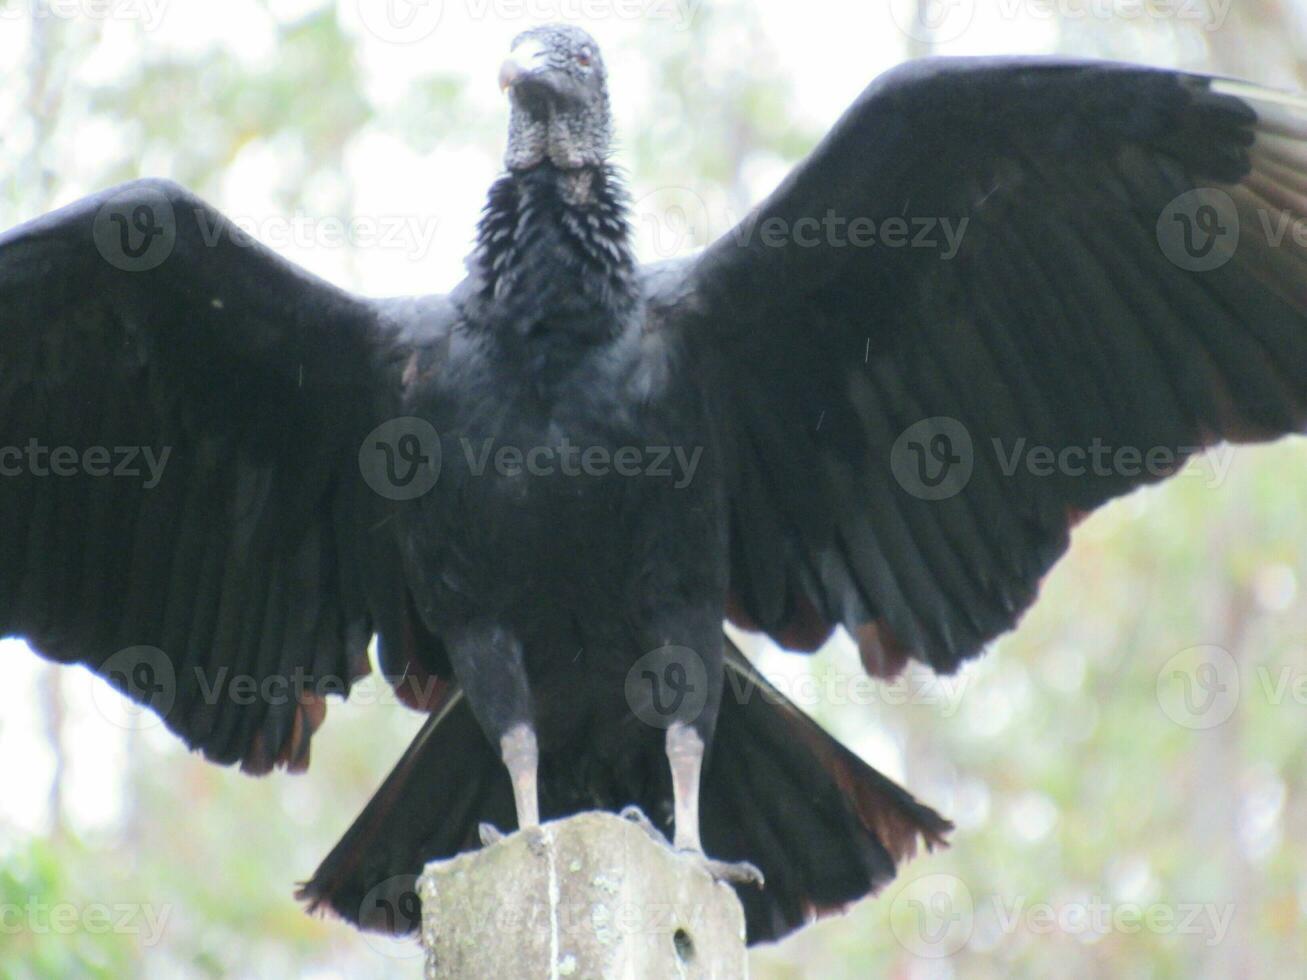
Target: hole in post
(684,945)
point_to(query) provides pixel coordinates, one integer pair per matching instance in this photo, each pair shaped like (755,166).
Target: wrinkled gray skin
(558,88)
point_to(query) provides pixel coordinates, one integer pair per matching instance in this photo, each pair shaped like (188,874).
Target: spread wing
(998,295)
(183,505)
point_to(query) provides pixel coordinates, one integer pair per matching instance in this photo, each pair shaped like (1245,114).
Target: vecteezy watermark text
(403,459)
(148,13)
(40,918)
(833,230)
(120,462)
(670,684)
(935,459)
(410,21)
(940,21)
(411,234)
(565,458)
(935,915)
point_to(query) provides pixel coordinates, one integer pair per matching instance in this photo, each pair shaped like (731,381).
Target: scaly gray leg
(522,759)
(685,750)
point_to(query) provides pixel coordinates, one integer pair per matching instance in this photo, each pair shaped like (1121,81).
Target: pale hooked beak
(529,56)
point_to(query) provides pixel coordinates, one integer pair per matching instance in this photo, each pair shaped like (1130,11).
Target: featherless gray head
(558,87)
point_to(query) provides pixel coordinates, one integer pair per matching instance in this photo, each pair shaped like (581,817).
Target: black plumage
(771,381)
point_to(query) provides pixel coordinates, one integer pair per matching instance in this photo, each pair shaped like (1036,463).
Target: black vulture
(544,492)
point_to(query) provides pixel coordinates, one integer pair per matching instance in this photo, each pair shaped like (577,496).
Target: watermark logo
(400,459)
(146,676)
(401,21)
(933,916)
(670,221)
(933,459)
(1199,230)
(667,685)
(135,230)
(933,21)
(1198,688)
(391,915)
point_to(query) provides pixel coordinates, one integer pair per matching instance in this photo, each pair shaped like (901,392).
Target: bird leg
(685,750)
(521,757)
(685,753)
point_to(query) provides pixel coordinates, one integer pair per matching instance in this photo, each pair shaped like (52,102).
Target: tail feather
(824,827)
(448,781)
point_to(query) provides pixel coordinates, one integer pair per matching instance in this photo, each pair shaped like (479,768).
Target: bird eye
(585,57)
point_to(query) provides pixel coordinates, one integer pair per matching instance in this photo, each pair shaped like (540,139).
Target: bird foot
(634,814)
(490,834)
(734,872)
(731,872)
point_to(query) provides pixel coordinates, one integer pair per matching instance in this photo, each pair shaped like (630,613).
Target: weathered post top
(592,897)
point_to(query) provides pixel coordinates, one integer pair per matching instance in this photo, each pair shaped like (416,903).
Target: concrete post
(592,897)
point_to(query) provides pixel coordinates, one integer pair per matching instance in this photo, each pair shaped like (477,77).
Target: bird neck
(554,256)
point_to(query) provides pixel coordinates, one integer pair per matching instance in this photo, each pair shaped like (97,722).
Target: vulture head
(558,89)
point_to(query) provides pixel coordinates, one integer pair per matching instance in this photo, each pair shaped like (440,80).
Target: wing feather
(1066,323)
(256,559)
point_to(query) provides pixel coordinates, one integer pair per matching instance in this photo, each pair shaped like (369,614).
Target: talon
(637,816)
(490,834)
(535,840)
(731,872)
(737,872)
